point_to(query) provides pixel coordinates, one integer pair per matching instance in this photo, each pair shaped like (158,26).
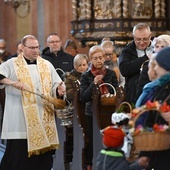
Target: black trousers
(16,157)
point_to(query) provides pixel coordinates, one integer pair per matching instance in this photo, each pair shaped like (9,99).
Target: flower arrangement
(155,128)
(151,106)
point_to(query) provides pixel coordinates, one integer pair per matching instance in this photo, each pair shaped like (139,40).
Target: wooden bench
(80,112)
(104,112)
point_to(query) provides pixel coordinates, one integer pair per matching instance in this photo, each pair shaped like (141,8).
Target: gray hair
(94,49)
(2,41)
(141,26)
(52,34)
(107,44)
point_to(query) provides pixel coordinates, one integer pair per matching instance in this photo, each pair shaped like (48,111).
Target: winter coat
(129,65)
(62,60)
(111,160)
(143,79)
(69,82)
(87,85)
(4,56)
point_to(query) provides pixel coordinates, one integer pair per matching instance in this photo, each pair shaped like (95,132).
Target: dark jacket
(87,85)
(11,56)
(129,65)
(159,160)
(62,60)
(111,160)
(143,79)
(4,56)
(69,82)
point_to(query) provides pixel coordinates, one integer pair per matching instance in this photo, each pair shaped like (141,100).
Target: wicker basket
(151,141)
(108,99)
(125,107)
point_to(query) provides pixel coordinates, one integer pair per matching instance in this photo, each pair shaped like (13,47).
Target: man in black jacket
(55,54)
(133,56)
(63,63)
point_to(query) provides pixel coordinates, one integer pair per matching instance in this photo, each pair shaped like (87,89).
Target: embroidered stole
(42,134)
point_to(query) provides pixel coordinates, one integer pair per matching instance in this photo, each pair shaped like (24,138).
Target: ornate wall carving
(116,18)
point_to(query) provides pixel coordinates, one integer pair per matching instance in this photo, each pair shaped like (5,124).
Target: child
(112,157)
(121,120)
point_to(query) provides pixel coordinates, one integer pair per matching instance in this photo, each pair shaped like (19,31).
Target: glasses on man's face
(52,42)
(139,40)
(33,48)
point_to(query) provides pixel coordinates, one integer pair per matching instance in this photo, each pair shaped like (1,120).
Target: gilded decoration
(96,19)
(84,9)
(107,9)
(141,9)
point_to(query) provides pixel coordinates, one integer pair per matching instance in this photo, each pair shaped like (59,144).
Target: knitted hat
(163,58)
(113,137)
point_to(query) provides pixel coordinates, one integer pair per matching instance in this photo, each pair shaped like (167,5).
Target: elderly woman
(159,43)
(97,74)
(111,60)
(159,92)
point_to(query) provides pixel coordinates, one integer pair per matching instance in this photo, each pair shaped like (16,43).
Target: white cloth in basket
(117,117)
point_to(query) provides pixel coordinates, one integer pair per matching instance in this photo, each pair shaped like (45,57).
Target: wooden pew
(80,112)
(104,112)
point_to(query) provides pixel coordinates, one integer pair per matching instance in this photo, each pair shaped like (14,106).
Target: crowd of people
(142,69)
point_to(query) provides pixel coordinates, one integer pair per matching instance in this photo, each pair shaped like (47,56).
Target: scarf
(148,90)
(41,130)
(164,79)
(102,71)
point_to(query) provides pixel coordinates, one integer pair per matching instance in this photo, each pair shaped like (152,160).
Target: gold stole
(42,134)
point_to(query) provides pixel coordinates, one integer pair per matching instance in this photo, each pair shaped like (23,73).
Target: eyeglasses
(33,48)
(139,40)
(52,42)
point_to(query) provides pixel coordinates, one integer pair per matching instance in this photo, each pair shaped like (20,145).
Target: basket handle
(168,97)
(60,70)
(143,111)
(125,103)
(110,86)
